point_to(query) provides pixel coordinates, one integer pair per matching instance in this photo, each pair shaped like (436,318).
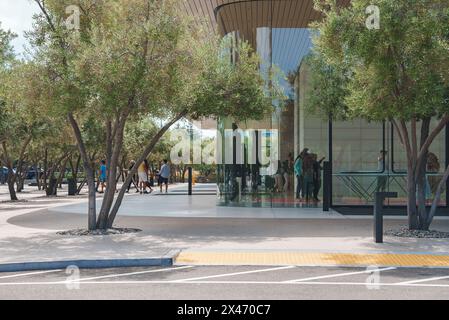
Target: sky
(16,15)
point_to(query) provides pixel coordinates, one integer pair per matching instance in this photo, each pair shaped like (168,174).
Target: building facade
(279,30)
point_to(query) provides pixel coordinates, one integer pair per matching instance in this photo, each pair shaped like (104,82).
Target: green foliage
(326,89)
(142,130)
(144,58)
(237,90)
(399,71)
(6,58)
(6,50)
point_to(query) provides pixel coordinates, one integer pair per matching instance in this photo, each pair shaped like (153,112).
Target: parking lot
(230,282)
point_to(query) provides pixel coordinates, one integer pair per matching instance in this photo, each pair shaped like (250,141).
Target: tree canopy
(398,72)
(130,60)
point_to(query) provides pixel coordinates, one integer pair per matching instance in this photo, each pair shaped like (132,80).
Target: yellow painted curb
(311,259)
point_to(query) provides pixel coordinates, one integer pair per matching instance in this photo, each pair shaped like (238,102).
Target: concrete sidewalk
(37,246)
(28,234)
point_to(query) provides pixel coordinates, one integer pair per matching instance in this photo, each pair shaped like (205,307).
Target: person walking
(298,174)
(164,175)
(317,168)
(103,175)
(143,177)
(288,172)
(135,179)
(279,178)
(433,167)
(148,170)
(307,169)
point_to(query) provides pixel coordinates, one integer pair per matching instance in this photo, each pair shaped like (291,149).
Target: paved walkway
(173,224)
(201,205)
(37,243)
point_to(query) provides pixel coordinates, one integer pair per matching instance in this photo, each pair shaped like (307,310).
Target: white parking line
(29,274)
(339,275)
(424,280)
(127,274)
(234,274)
(7,284)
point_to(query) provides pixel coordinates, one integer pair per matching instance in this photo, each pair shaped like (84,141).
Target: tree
(35,130)
(328,88)
(139,58)
(397,73)
(209,85)
(6,59)
(142,130)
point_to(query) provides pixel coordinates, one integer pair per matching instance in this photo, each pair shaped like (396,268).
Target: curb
(165,261)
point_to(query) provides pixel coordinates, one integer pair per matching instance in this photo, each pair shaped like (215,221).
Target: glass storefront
(366,157)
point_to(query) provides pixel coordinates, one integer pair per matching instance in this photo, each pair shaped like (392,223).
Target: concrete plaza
(179,225)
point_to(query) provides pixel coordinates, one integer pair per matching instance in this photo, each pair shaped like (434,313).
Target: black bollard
(327,186)
(379,199)
(190,173)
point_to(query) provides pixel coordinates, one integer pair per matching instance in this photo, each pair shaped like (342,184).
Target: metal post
(327,190)
(447,162)
(190,173)
(379,199)
(331,159)
(378,218)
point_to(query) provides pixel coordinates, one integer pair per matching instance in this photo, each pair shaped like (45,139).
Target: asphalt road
(227,283)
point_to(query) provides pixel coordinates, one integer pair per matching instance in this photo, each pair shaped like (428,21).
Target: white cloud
(16,15)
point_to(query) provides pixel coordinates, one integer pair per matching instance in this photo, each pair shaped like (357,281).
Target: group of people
(143,181)
(308,170)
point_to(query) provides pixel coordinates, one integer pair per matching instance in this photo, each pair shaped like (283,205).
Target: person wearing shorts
(103,175)
(164,175)
(143,177)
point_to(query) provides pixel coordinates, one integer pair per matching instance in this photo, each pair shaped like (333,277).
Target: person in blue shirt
(103,175)
(298,174)
(164,175)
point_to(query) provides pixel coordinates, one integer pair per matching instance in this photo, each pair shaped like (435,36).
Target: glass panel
(357,163)
(435,164)
(281,46)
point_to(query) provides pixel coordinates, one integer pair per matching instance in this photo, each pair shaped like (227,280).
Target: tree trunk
(11,176)
(53,186)
(44,176)
(21,181)
(421,176)
(427,139)
(74,167)
(38,173)
(437,199)
(149,148)
(20,173)
(11,182)
(412,213)
(92,211)
(108,199)
(62,173)
(413,221)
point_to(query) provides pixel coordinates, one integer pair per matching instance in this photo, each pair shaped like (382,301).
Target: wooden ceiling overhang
(245,16)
